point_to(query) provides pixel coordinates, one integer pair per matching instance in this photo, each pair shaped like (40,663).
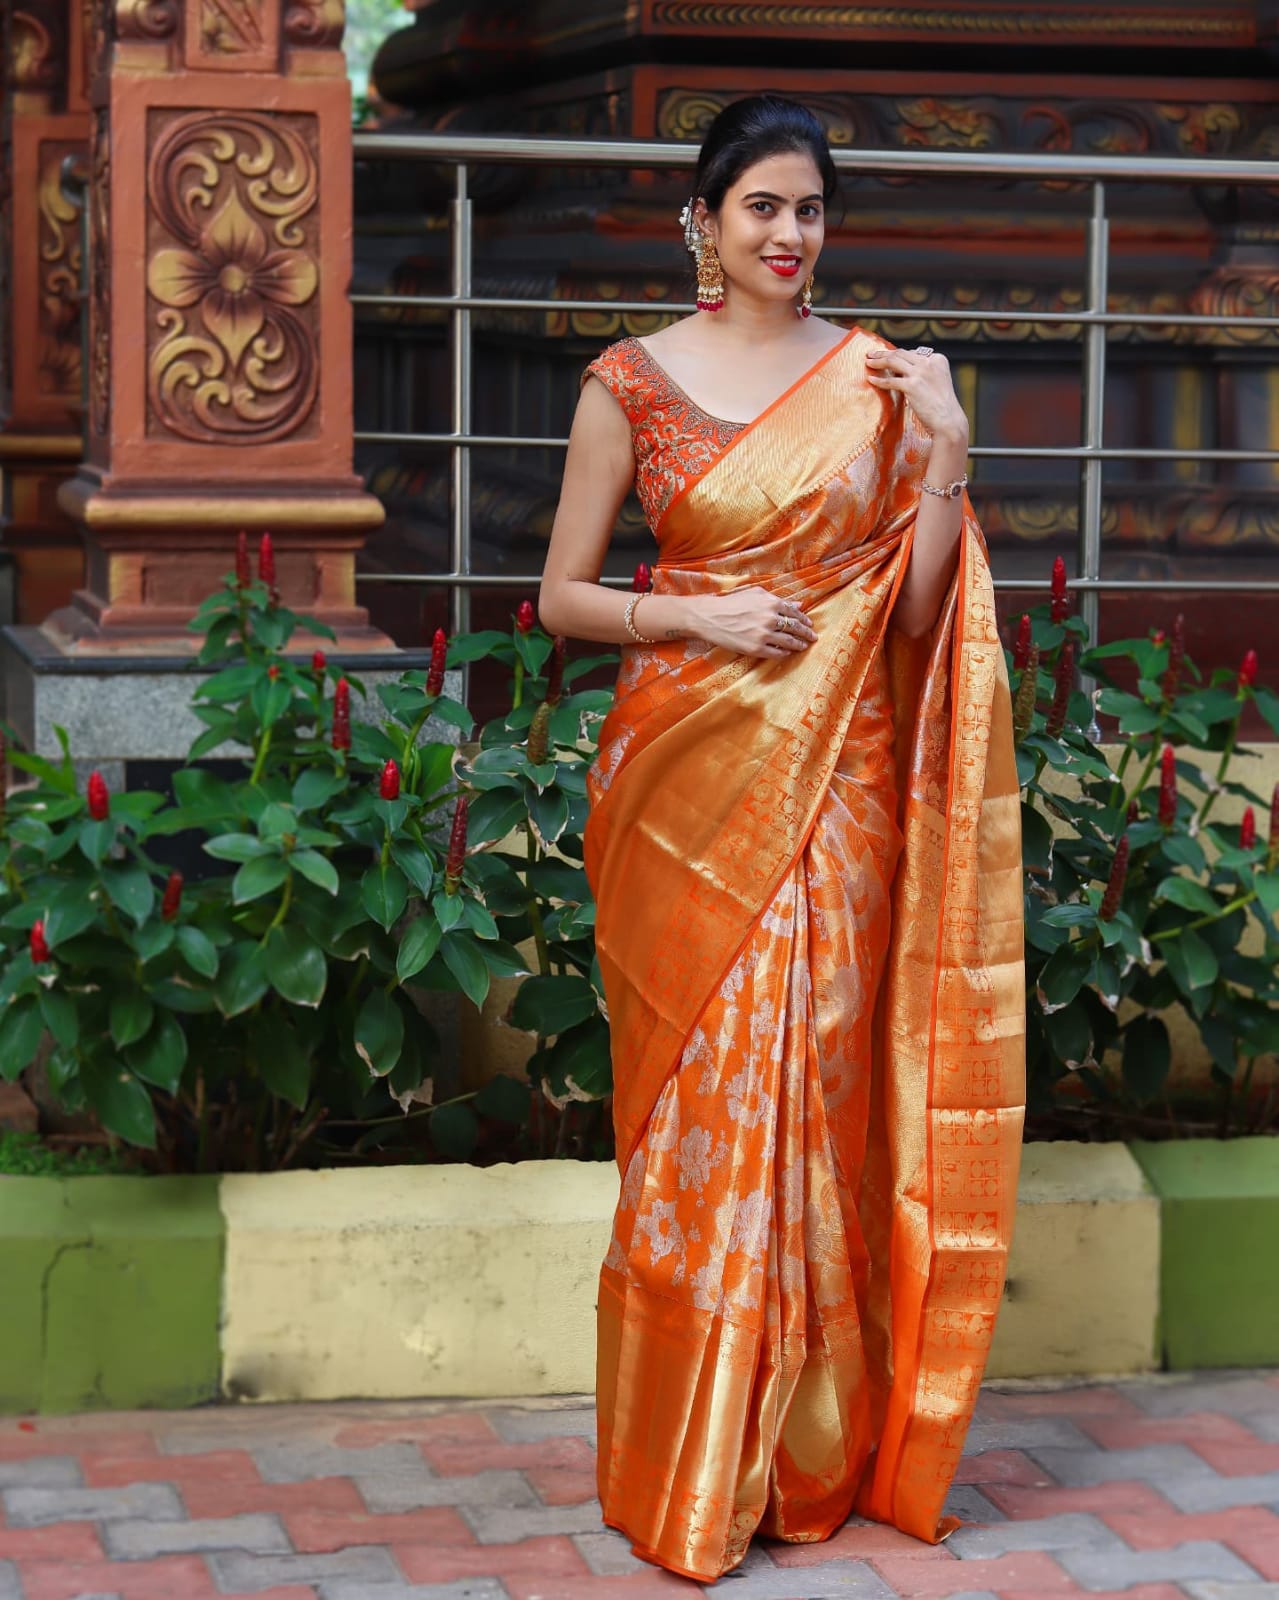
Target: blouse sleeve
(617,371)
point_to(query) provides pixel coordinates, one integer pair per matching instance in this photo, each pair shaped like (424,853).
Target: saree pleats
(807,875)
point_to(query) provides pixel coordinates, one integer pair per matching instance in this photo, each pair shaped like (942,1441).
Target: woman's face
(770,227)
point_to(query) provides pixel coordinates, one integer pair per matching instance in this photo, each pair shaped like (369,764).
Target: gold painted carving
(1203,130)
(146,19)
(231,27)
(688,113)
(34,56)
(946,125)
(315,24)
(984,22)
(232,347)
(58,366)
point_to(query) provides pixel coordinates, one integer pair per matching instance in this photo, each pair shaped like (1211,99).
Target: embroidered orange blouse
(674,439)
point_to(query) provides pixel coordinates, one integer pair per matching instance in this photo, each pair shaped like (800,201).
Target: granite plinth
(138,708)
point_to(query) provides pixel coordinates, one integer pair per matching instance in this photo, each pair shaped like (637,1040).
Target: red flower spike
(1021,650)
(456,857)
(1158,636)
(555,672)
(172,901)
(243,576)
(266,561)
(1176,656)
(642,582)
(1272,850)
(319,661)
(537,746)
(340,738)
(39,944)
(1060,593)
(1064,682)
(525,617)
(273,673)
(389,787)
(439,658)
(1113,897)
(99,799)
(1248,670)
(1167,787)
(1248,829)
(1027,692)
(1134,810)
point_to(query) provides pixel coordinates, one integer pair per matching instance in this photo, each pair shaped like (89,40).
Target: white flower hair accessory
(693,236)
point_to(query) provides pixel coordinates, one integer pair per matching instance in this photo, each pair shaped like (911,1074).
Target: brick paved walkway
(1164,1488)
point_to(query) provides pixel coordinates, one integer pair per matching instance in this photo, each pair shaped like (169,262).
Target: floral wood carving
(59,279)
(231,27)
(315,24)
(233,346)
(99,274)
(146,19)
(35,54)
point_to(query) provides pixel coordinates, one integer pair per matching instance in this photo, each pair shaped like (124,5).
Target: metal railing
(1091,321)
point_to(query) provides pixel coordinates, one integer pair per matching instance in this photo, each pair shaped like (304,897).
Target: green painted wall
(1219,1256)
(112,1292)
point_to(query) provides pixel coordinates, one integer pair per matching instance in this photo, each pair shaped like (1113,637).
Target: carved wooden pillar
(45,119)
(219,326)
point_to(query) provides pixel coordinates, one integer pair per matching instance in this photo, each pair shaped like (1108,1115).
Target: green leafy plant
(529,774)
(1138,903)
(244,1020)
(27,1155)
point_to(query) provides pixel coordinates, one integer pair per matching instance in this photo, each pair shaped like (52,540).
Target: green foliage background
(368,22)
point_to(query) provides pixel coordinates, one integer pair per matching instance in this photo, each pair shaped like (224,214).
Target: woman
(804,845)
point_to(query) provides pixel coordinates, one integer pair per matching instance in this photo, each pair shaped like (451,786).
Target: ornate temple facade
(216,378)
(1185,78)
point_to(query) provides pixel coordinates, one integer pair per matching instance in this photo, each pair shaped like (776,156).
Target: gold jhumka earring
(710,279)
(710,271)
(805,306)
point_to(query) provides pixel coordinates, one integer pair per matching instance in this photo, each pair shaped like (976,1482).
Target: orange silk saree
(808,885)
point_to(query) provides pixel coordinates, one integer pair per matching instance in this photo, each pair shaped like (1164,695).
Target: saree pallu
(808,884)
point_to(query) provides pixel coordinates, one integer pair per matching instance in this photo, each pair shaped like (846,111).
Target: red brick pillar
(219,325)
(45,119)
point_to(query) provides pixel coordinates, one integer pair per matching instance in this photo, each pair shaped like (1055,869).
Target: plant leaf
(21,1026)
(420,942)
(198,950)
(379,1032)
(467,965)
(317,869)
(122,1103)
(131,1016)
(241,980)
(296,965)
(258,877)
(384,893)
(162,1055)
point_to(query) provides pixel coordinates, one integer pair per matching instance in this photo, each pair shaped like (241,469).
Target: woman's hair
(751,130)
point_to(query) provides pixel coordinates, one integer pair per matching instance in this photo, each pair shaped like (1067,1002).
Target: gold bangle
(628,618)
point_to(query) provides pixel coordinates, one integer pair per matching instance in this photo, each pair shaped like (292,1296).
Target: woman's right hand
(746,621)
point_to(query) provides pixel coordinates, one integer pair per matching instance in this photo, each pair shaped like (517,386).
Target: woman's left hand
(922,377)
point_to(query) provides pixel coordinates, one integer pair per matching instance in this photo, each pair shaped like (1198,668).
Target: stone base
(138,708)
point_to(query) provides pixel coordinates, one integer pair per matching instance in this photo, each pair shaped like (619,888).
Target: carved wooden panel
(233,347)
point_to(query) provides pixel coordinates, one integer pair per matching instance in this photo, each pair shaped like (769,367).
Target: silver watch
(952,491)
